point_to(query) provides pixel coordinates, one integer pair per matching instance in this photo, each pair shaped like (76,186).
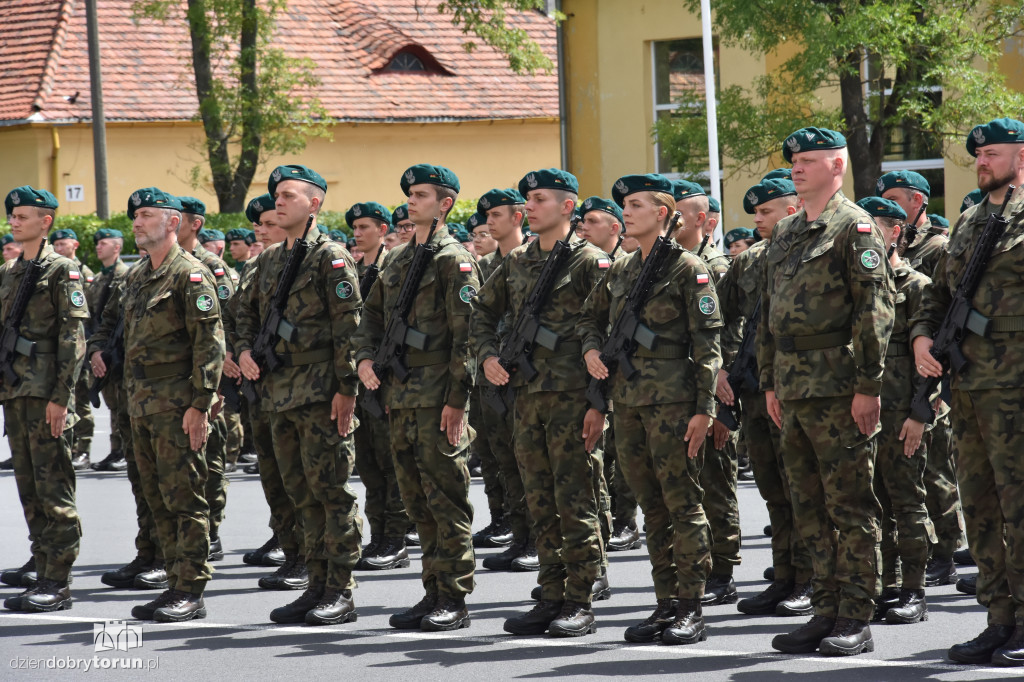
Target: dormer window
(405,61)
(413,59)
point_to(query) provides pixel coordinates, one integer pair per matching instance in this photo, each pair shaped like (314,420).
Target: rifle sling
(308,357)
(562,349)
(1011,323)
(664,351)
(161,371)
(791,344)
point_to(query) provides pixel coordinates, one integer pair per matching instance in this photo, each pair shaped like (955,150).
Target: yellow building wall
(363,162)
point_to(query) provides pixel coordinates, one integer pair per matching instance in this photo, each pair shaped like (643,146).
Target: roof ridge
(53,54)
(385,38)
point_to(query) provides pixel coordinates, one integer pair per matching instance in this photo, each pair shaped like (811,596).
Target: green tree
(488,20)
(906,71)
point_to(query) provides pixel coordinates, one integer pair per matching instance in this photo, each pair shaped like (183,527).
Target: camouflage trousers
(494,490)
(623,501)
(247,414)
(498,431)
(830,466)
(283,520)
(384,508)
(315,463)
(146,542)
(234,434)
(602,494)
(173,478)
(558,476)
(721,506)
(433,476)
(84,429)
(666,482)
(988,439)
(216,481)
(46,486)
(790,557)
(943,497)
(899,487)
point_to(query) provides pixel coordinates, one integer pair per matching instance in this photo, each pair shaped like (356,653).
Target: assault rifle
(113,358)
(910,234)
(743,372)
(961,317)
(628,331)
(11,340)
(370,276)
(390,356)
(527,332)
(274,326)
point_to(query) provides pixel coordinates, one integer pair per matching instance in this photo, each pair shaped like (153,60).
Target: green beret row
(240,234)
(549,178)
(208,235)
(425,174)
(370,209)
(684,189)
(810,139)
(878,207)
(475,221)
(29,196)
(499,197)
(997,131)
(904,180)
(258,206)
(106,233)
(767,190)
(399,214)
(192,205)
(937,220)
(631,184)
(295,172)
(63,234)
(737,234)
(6,239)
(973,198)
(598,204)
(152,197)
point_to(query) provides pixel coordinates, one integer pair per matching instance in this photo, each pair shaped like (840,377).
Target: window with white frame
(677,68)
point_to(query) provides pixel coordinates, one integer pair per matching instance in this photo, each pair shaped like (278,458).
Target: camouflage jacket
(173,336)
(367,260)
(56,311)
(901,378)
(222,274)
(995,361)
(323,306)
(683,311)
(444,371)
(506,292)
(88,276)
(923,254)
(826,306)
(102,289)
(738,291)
(489,263)
(230,312)
(717,262)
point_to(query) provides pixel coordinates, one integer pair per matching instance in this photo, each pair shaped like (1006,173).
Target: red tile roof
(147,74)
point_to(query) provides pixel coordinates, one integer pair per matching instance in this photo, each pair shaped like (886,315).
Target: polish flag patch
(863,227)
(73,274)
(219,272)
(465,267)
(702,279)
(88,280)
(603,263)
(195,277)
(339,263)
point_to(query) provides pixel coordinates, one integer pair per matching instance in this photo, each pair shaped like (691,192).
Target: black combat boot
(154,579)
(650,629)
(574,620)
(536,620)
(889,598)
(266,554)
(963,557)
(79,461)
(911,608)
(1011,654)
(624,536)
(450,613)
(115,461)
(335,606)
(798,603)
(528,560)
(849,637)
(146,611)
(124,577)
(601,589)
(14,577)
(980,650)
(939,572)
(412,537)
(502,561)
(688,626)
(17,602)
(495,534)
(292,575)
(769,574)
(216,549)
(370,550)
(411,618)
(764,604)
(48,595)
(806,638)
(968,584)
(719,589)
(181,606)
(296,611)
(390,553)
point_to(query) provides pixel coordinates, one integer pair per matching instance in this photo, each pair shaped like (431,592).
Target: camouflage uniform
(314,460)
(652,412)
(987,399)
(384,508)
(827,311)
(899,480)
(558,474)
(86,426)
(169,313)
(98,296)
(738,292)
(42,464)
(433,475)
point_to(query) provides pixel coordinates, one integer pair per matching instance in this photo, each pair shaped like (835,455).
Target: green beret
(338,236)
(295,172)
(192,205)
(998,131)
(903,179)
(392,230)
(454,227)
(152,197)
(370,209)
(322,228)
(399,214)
(209,235)
(350,242)
(29,196)
(937,220)
(737,234)
(779,174)
(240,234)
(631,184)
(499,197)
(882,208)
(973,198)
(475,221)
(713,205)
(684,189)
(549,178)
(106,233)
(598,204)
(258,206)
(425,174)
(809,139)
(766,191)
(63,234)
(6,239)
(461,235)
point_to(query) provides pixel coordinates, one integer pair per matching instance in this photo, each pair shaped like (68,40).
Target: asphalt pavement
(238,641)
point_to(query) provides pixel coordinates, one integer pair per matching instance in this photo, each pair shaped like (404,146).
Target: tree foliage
(488,20)
(886,58)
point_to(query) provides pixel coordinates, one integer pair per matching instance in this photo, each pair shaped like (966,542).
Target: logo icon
(467,293)
(707,305)
(587,204)
(344,290)
(979,135)
(357,210)
(15,198)
(752,198)
(77,299)
(116,635)
(793,144)
(870,259)
(531,180)
(136,199)
(276,175)
(223,292)
(204,302)
(410,177)
(485,202)
(881,185)
(621,186)
(809,136)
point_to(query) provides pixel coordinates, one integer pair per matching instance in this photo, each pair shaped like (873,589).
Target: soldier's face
(368,233)
(814,171)
(255,249)
(292,205)
(28,223)
(600,229)
(406,229)
(11,251)
(998,165)
(66,247)
(152,226)
(691,227)
(107,249)
(769,213)
(629,244)
(546,210)
(271,229)
(391,240)
(483,242)
(908,200)
(239,249)
(502,221)
(423,204)
(642,216)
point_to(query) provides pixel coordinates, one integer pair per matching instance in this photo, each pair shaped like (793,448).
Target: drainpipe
(563,123)
(54,160)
